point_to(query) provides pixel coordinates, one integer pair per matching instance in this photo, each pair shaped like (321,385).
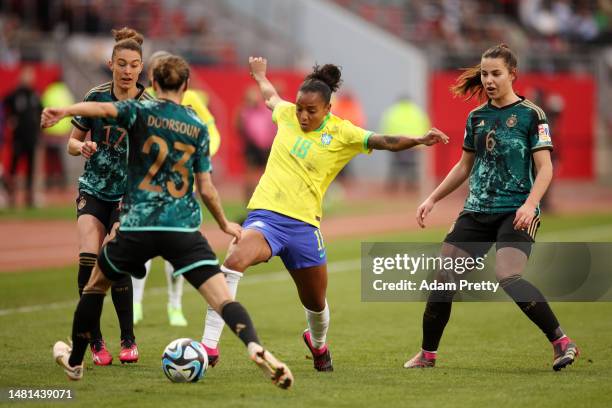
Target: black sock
(87,262)
(87,313)
(238,320)
(533,304)
(122,294)
(436,315)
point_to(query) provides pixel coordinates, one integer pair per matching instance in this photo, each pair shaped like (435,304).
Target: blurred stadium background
(391,51)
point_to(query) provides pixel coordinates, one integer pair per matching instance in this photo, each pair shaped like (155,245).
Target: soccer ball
(184,360)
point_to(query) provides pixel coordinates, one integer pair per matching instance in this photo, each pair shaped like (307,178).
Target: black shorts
(107,212)
(255,157)
(475,233)
(188,252)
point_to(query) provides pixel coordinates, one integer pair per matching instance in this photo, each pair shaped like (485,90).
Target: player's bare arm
(258,67)
(544,173)
(397,143)
(456,177)
(50,116)
(210,197)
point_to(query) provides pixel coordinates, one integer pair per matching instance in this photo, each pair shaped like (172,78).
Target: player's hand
(258,66)
(233,229)
(88,148)
(432,137)
(524,216)
(50,116)
(423,211)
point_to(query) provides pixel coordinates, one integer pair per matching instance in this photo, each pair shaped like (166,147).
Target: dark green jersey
(168,144)
(503,141)
(106,171)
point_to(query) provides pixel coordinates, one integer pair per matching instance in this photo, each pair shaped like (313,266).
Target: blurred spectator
(23,109)
(55,138)
(257,132)
(406,118)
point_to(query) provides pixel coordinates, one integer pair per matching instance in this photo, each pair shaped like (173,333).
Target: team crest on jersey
(511,121)
(82,203)
(543,133)
(326,139)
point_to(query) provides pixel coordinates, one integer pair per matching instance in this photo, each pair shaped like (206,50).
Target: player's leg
(513,250)
(122,296)
(86,320)
(250,250)
(92,216)
(138,287)
(469,237)
(175,296)
(192,257)
(213,288)
(305,258)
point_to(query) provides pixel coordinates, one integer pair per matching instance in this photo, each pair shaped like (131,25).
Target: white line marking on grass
(586,234)
(279,276)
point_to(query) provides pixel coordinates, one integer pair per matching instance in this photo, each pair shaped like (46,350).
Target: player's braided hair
(127,39)
(324,80)
(469,83)
(171,72)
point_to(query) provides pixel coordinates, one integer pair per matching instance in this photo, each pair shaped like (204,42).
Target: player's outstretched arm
(258,67)
(397,143)
(210,197)
(458,174)
(50,116)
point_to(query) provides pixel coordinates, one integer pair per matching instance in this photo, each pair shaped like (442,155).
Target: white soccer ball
(184,360)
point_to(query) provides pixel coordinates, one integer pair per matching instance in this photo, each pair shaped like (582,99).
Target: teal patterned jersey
(106,171)
(168,144)
(503,141)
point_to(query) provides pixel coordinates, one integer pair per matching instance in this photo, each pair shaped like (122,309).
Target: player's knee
(236,262)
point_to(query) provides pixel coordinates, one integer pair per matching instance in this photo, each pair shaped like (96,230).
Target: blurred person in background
(175,284)
(23,109)
(404,117)
(257,132)
(57,94)
(103,182)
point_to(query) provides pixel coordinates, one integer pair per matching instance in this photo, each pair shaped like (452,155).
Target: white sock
(318,322)
(139,284)
(213,325)
(175,286)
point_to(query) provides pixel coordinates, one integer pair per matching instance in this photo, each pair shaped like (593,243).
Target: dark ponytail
(469,83)
(324,80)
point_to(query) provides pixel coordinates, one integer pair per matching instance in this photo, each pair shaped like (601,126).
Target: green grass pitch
(491,355)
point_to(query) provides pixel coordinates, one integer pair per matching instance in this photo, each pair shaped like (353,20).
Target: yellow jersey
(301,165)
(191,98)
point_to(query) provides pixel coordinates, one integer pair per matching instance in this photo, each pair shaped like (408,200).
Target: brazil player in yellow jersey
(175,284)
(311,146)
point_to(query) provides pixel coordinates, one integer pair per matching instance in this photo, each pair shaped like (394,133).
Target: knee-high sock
(138,285)
(435,317)
(86,315)
(87,262)
(213,325)
(531,301)
(122,299)
(318,322)
(239,321)
(175,286)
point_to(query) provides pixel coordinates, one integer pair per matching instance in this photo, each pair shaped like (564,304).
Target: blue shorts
(299,244)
